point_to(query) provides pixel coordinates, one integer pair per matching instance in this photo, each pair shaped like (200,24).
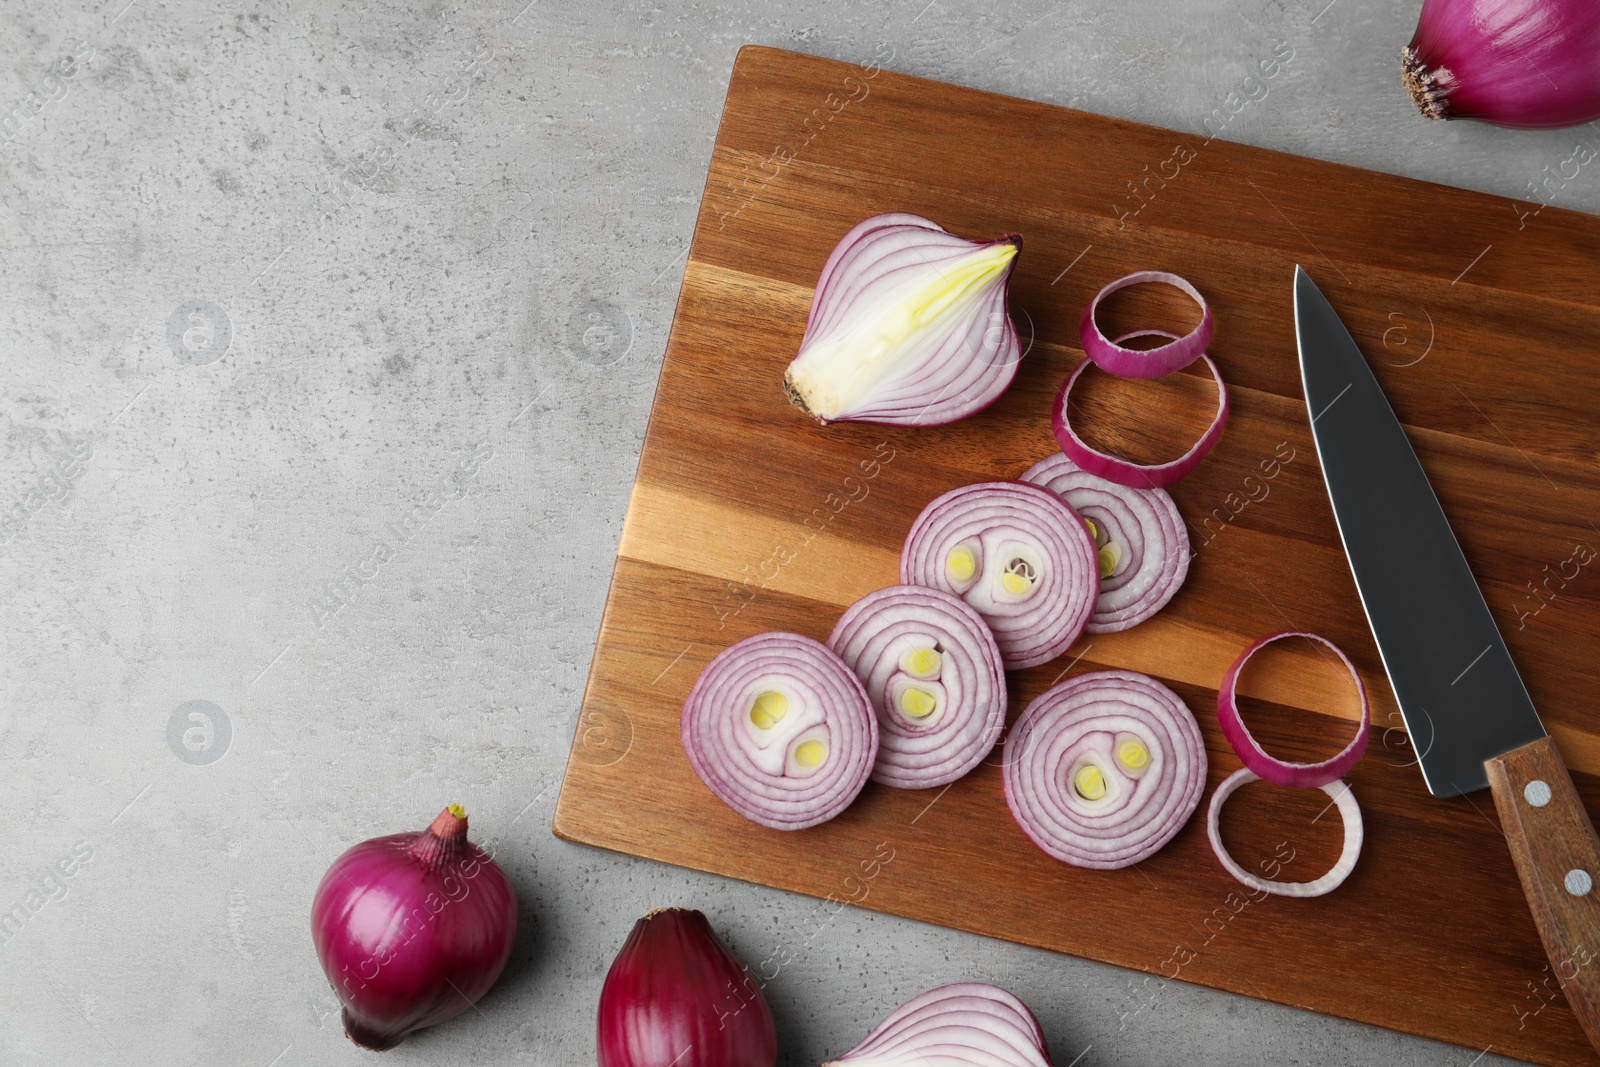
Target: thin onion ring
(1354,835)
(1112,358)
(1270,768)
(1125,471)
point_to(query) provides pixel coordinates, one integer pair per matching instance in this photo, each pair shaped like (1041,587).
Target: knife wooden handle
(1558,859)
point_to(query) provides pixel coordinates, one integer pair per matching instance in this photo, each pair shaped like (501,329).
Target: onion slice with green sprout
(1125,471)
(780,729)
(1177,354)
(1104,769)
(1141,541)
(968,1024)
(933,673)
(1270,768)
(1354,835)
(1018,555)
(908,326)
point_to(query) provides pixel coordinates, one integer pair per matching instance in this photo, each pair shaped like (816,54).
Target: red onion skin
(676,996)
(412,929)
(1527,64)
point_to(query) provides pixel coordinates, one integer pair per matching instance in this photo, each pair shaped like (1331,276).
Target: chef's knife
(1468,716)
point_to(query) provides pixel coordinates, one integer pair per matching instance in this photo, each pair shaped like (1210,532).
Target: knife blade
(1461,696)
(1468,715)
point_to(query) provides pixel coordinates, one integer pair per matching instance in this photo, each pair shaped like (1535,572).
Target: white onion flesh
(1354,836)
(967,682)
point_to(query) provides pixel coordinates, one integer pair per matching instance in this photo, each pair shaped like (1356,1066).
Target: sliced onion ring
(1112,358)
(1354,834)
(1026,564)
(1269,768)
(933,673)
(969,1024)
(1087,722)
(1142,542)
(754,720)
(1125,471)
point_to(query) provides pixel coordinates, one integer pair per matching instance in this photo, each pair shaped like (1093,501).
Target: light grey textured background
(270,275)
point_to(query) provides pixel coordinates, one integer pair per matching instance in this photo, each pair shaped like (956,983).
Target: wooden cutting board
(1480,318)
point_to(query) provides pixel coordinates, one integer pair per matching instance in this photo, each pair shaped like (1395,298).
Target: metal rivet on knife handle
(1578,882)
(1537,793)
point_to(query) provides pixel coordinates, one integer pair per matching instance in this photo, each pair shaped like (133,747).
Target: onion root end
(1424,88)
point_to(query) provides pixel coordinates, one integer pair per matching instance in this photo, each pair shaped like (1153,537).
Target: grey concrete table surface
(328,334)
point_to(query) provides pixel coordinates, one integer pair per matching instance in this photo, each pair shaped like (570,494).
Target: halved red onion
(1111,357)
(1284,772)
(1125,471)
(1354,835)
(779,728)
(908,325)
(968,1024)
(933,672)
(1018,555)
(1141,540)
(1103,769)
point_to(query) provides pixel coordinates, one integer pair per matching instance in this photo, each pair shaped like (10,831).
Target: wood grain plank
(746,517)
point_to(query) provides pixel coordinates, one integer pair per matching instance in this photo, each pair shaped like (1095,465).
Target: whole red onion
(676,996)
(1533,64)
(412,929)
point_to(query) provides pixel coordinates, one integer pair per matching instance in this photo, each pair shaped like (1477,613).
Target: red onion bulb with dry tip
(933,672)
(1104,769)
(1018,555)
(780,729)
(677,996)
(1532,64)
(908,326)
(411,929)
(1141,541)
(964,1025)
